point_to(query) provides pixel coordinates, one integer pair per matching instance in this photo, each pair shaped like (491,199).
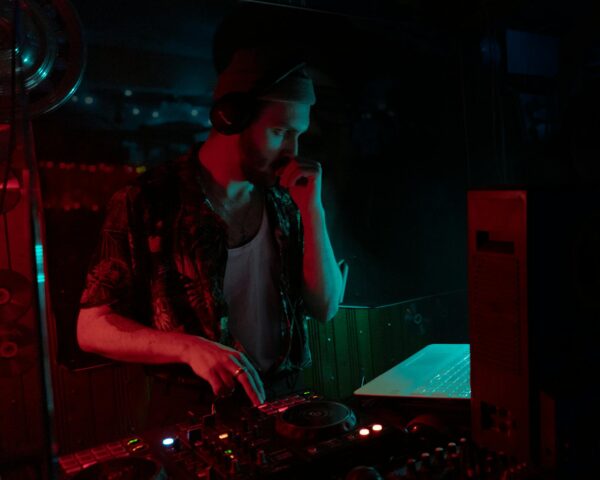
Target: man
(214,260)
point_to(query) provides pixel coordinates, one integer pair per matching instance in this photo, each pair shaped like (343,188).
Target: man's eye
(279,131)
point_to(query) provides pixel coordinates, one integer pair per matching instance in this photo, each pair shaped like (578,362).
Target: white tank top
(250,289)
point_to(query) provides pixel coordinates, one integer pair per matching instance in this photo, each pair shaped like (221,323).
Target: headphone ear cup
(233,112)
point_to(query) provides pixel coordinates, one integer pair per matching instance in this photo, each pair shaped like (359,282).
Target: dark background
(418,101)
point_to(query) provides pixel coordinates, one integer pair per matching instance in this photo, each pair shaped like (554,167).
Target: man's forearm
(102,331)
(322,276)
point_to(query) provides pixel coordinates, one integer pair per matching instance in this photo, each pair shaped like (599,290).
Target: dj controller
(297,437)
(284,439)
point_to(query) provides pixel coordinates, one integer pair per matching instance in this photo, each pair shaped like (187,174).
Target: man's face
(272,138)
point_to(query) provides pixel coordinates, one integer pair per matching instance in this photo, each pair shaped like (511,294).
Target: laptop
(439,371)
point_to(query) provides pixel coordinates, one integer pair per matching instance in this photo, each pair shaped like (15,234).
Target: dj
(213,261)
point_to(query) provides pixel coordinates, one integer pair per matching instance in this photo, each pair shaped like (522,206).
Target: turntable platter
(315,421)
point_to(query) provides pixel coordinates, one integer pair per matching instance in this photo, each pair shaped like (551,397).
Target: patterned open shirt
(162,255)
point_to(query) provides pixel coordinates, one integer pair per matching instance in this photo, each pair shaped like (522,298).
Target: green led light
(133,440)
(228,452)
(307,392)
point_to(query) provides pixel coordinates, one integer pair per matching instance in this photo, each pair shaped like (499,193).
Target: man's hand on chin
(302,178)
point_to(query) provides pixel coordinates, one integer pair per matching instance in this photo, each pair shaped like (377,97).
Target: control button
(139,448)
(312,450)
(235,467)
(168,442)
(67,461)
(73,469)
(261,457)
(85,456)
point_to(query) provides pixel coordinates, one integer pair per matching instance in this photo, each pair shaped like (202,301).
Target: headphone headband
(234,111)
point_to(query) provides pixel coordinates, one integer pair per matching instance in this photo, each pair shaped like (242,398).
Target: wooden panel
(363,344)
(345,353)
(99,404)
(77,411)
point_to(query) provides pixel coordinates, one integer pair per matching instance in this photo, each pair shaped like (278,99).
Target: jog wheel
(315,421)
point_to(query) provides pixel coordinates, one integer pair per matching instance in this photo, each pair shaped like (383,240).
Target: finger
(254,375)
(308,163)
(246,381)
(241,361)
(299,176)
(228,382)
(301,164)
(216,384)
(254,382)
(288,164)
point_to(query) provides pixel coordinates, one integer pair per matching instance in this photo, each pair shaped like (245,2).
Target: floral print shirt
(162,255)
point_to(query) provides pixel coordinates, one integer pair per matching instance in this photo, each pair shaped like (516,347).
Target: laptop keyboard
(453,382)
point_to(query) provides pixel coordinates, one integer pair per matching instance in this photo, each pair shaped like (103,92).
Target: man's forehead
(293,113)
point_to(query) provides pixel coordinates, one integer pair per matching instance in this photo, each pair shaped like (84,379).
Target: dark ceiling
(169,46)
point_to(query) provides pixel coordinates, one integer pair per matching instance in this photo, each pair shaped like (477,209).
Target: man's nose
(291,146)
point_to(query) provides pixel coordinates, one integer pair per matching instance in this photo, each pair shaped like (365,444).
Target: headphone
(234,111)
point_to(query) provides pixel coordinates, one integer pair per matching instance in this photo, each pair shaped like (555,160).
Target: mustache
(281,162)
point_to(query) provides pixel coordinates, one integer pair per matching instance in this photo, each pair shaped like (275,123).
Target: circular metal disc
(16,295)
(50,55)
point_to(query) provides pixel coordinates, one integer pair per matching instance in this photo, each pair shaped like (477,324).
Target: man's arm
(100,330)
(322,278)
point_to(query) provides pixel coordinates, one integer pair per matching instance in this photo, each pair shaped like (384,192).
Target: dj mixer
(299,436)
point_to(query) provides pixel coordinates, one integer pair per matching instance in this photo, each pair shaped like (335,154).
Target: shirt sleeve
(110,277)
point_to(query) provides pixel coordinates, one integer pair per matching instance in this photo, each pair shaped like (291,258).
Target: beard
(255,165)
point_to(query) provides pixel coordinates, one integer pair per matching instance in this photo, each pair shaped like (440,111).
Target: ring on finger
(239,371)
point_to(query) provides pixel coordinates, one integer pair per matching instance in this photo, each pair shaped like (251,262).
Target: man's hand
(222,366)
(303,180)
